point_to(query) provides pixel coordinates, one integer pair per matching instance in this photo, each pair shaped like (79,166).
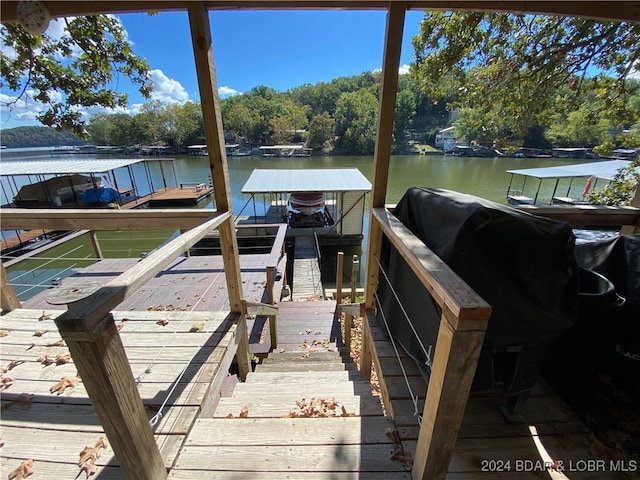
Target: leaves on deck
(197,327)
(63,384)
(244,413)
(59,343)
(45,360)
(4,333)
(39,333)
(320,407)
(13,364)
(63,358)
(163,323)
(89,456)
(44,316)
(24,470)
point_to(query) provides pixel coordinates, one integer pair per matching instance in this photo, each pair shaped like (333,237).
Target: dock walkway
(307,283)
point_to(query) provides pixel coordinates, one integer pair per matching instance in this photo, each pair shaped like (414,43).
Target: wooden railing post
(273,333)
(94,242)
(339,273)
(102,363)
(8,298)
(456,356)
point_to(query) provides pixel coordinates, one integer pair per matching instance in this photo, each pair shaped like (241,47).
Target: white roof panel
(605,170)
(67,166)
(306,180)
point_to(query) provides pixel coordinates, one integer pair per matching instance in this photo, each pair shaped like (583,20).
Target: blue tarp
(100,195)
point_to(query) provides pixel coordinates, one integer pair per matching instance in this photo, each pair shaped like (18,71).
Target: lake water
(483,177)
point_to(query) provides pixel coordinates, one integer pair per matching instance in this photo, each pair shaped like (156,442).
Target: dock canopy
(306,180)
(65,167)
(605,170)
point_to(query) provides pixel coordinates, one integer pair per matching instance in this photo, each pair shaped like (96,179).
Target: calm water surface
(483,177)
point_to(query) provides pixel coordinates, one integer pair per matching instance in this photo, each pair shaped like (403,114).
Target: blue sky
(279,49)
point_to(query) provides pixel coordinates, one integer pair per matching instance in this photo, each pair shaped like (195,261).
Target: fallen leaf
(24,470)
(39,333)
(197,327)
(6,382)
(44,316)
(14,363)
(63,358)
(244,413)
(59,343)
(63,384)
(45,360)
(88,468)
(164,322)
(4,333)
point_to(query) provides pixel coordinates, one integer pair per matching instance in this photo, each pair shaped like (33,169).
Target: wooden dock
(307,283)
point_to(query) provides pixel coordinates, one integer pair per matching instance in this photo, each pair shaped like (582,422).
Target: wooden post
(273,333)
(8,298)
(355,275)
(103,366)
(339,273)
(96,245)
(455,358)
(212,120)
(382,154)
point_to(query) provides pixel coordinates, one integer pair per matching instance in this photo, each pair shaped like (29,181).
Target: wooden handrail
(463,323)
(102,219)
(587,215)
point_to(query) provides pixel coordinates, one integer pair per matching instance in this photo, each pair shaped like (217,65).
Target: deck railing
(463,323)
(89,330)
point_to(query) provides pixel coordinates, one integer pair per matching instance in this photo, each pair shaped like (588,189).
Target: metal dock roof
(605,170)
(66,167)
(307,180)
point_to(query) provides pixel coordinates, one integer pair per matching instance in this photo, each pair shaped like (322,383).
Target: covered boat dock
(339,220)
(592,172)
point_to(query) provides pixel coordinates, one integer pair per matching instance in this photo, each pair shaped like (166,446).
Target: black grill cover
(521,264)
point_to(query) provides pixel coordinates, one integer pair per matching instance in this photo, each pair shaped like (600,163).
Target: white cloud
(166,89)
(228,91)
(24,109)
(401,70)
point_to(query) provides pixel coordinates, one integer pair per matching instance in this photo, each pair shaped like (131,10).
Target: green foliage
(621,190)
(356,116)
(512,65)
(71,72)
(322,132)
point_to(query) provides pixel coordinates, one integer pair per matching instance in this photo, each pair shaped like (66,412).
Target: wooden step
(282,404)
(306,356)
(287,431)
(304,367)
(310,389)
(274,378)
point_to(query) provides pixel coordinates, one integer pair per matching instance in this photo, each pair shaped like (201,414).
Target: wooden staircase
(300,414)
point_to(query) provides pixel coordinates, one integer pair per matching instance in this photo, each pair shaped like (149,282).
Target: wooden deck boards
(486,441)
(171,363)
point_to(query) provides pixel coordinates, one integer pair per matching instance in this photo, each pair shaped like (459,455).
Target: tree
(321,132)
(356,116)
(72,72)
(510,65)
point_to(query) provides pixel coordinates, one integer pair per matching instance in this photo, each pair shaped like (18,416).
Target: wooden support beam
(102,219)
(454,365)
(96,245)
(212,119)
(339,273)
(103,366)
(384,139)
(8,298)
